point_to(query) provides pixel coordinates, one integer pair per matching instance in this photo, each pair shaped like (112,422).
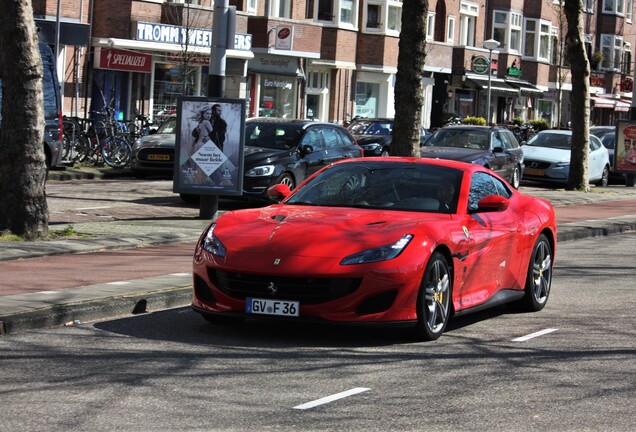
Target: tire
(385,152)
(515,180)
(539,278)
(116,152)
(286,179)
(434,304)
(604,180)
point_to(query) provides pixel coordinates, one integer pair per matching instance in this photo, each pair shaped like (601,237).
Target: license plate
(272,307)
(534,172)
(159,157)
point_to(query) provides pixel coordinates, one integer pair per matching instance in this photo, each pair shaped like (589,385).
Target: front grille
(307,290)
(536,164)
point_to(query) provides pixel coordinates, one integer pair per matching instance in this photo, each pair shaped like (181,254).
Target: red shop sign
(116,59)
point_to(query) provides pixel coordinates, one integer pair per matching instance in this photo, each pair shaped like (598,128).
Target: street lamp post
(490,45)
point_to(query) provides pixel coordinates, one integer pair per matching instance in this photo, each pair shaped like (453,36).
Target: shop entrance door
(312,109)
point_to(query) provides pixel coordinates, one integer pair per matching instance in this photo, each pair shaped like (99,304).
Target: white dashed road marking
(331,398)
(534,335)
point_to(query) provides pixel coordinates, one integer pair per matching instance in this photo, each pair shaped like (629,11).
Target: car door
(312,148)
(491,262)
(596,158)
(499,161)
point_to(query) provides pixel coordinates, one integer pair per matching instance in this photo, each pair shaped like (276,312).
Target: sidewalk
(604,211)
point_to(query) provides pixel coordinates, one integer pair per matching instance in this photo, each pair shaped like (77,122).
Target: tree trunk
(408,83)
(580,67)
(23,207)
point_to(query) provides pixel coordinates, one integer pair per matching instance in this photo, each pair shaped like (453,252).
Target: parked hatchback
(288,151)
(548,158)
(375,135)
(494,147)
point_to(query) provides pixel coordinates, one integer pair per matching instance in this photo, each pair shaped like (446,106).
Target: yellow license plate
(159,157)
(534,172)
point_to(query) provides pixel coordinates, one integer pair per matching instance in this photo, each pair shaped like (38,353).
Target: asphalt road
(172,371)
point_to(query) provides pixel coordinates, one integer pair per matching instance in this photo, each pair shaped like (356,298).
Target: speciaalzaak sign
(121,60)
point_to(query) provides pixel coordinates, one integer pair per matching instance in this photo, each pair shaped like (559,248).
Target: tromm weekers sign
(209,146)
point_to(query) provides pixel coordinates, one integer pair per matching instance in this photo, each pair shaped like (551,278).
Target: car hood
(552,155)
(371,139)
(255,155)
(296,232)
(453,153)
(158,141)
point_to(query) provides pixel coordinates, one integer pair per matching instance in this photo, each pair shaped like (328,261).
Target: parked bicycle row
(102,139)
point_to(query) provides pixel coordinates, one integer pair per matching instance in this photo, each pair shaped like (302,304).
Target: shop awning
(525,88)
(622,106)
(498,87)
(601,102)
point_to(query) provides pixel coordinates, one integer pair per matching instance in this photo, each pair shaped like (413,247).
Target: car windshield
(282,136)
(168,127)
(608,140)
(465,138)
(370,127)
(401,186)
(551,140)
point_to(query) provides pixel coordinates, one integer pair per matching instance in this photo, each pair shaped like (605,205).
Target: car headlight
(261,171)
(212,244)
(137,143)
(382,253)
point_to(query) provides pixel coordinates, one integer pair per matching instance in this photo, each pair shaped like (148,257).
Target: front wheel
(604,180)
(434,299)
(287,180)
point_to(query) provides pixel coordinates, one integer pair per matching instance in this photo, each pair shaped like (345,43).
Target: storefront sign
(274,64)
(597,81)
(627,85)
(192,59)
(165,33)
(284,37)
(116,59)
(480,64)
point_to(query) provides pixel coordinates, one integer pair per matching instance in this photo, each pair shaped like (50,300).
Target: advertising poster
(625,148)
(209,146)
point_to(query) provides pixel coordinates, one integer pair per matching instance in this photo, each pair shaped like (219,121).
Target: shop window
(169,84)
(367,95)
(277,96)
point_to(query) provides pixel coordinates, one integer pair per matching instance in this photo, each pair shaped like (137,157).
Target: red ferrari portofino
(385,241)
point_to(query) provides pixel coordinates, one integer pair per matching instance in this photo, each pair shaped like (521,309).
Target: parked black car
(494,147)
(288,151)
(276,151)
(374,135)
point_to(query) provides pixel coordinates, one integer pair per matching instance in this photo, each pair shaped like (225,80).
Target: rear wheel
(434,300)
(539,278)
(604,180)
(116,152)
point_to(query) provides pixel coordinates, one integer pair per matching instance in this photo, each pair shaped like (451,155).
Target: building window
(614,7)
(280,8)
(338,12)
(627,59)
(612,49)
(251,6)
(507,30)
(467,23)
(450,29)
(589,6)
(629,9)
(430,26)
(383,17)
(537,39)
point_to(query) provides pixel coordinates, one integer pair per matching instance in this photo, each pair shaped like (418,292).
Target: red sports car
(380,241)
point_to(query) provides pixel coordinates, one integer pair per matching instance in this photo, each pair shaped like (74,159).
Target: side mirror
(278,192)
(306,149)
(493,203)
(498,149)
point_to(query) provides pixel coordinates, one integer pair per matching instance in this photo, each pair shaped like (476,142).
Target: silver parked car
(547,158)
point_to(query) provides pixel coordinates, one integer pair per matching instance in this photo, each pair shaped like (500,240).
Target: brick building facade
(336,59)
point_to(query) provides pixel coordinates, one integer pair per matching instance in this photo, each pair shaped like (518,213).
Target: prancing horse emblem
(277,261)
(272,288)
